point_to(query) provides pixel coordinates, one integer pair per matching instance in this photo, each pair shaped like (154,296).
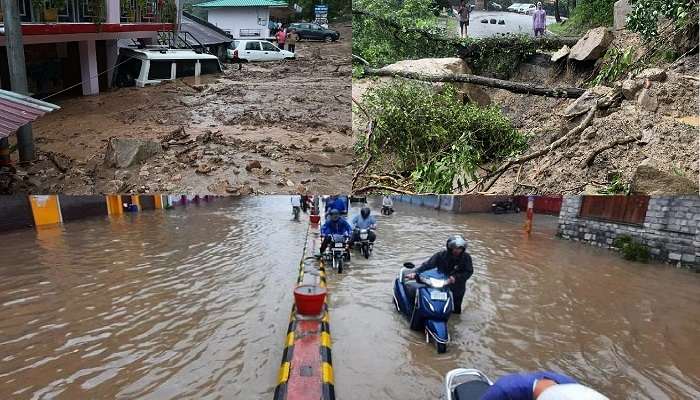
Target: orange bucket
(309,299)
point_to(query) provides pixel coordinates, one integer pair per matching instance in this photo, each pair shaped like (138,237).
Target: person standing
(281,38)
(292,38)
(539,20)
(463,15)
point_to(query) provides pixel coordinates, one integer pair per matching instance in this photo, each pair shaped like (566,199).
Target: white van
(155,64)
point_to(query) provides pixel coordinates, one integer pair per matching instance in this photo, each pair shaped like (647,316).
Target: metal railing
(72,11)
(148,11)
(183,40)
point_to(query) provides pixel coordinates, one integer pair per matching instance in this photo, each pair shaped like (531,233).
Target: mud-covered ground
(274,127)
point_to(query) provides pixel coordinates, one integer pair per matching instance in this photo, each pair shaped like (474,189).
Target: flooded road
(157,305)
(193,303)
(628,329)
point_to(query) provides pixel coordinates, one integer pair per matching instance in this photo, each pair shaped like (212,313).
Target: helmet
(335,214)
(570,391)
(456,241)
(364,212)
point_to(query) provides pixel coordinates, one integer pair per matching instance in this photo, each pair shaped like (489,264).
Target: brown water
(195,304)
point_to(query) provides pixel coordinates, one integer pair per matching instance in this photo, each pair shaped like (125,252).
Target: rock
(649,179)
(630,87)
(647,135)
(592,45)
(253,165)
(561,53)
(125,152)
(290,183)
(114,187)
(484,21)
(501,22)
(653,74)
(647,101)
(267,171)
(203,169)
(122,175)
(314,139)
(584,103)
(281,182)
(315,168)
(620,11)
(451,65)
(177,177)
(328,148)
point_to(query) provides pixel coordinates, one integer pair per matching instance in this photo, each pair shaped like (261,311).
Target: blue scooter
(426,302)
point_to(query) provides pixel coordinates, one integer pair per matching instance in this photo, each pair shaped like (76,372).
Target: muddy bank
(289,120)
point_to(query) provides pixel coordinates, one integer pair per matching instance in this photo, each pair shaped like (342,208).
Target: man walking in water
(463,15)
(539,20)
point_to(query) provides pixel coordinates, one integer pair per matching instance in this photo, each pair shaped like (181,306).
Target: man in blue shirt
(543,385)
(364,221)
(334,226)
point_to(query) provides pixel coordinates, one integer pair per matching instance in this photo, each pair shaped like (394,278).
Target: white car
(514,7)
(256,50)
(526,8)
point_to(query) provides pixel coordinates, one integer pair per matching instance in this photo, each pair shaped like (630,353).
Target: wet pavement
(193,304)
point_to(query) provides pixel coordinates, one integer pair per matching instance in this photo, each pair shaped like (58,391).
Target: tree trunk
(514,87)
(557,17)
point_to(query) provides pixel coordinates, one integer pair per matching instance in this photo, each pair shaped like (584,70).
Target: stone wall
(670,229)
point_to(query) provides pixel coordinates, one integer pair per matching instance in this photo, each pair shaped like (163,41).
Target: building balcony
(95,12)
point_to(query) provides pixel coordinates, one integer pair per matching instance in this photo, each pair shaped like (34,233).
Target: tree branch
(591,157)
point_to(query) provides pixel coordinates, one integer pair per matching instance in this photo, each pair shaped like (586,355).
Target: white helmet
(570,391)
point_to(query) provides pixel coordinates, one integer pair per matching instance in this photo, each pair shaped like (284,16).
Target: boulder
(561,53)
(584,103)
(621,10)
(255,164)
(453,65)
(630,87)
(647,101)
(653,74)
(649,179)
(125,152)
(592,45)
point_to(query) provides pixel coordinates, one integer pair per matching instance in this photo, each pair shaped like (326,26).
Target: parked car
(154,64)
(256,50)
(495,6)
(525,8)
(312,31)
(514,7)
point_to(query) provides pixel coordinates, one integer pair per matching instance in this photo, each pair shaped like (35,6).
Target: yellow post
(135,200)
(46,210)
(114,204)
(158,199)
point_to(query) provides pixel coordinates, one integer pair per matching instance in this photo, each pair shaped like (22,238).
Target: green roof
(243,3)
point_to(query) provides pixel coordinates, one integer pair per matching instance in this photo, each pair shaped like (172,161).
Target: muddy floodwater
(194,303)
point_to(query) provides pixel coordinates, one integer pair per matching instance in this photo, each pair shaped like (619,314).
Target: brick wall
(670,229)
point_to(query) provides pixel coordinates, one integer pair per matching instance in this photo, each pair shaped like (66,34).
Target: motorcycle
(466,384)
(363,242)
(337,252)
(386,210)
(427,303)
(505,206)
(295,212)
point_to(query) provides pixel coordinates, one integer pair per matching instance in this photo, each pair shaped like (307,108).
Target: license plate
(363,236)
(442,296)
(338,245)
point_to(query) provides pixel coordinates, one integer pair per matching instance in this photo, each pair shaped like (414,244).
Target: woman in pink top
(539,20)
(281,38)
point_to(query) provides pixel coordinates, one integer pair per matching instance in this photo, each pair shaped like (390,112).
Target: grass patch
(631,249)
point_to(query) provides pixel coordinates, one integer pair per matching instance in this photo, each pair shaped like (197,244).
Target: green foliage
(499,56)
(630,249)
(589,14)
(433,136)
(645,14)
(616,186)
(615,64)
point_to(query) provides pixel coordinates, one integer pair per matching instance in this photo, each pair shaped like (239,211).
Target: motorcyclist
(364,221)
(333,226)
(337,203)
(387,203)
(454,262)
(542,385)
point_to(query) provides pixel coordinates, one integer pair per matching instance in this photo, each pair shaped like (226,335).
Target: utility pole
(18,73)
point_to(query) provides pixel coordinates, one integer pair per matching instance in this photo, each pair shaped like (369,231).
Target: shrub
(631,250)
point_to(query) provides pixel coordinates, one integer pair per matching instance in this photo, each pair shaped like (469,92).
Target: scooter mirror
(409,265)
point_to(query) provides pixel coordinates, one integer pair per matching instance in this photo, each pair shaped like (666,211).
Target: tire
(365,250)
(328,38)
(441,347)
(340,265)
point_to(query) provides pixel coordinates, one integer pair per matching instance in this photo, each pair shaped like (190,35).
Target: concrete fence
(670,229)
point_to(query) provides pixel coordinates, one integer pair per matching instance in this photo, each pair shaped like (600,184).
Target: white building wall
(234,19)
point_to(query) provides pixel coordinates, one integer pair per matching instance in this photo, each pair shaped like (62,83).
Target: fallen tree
(514,87)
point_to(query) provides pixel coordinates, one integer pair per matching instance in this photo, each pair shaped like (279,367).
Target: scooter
(427,303)
(503,207)
(466,384)
(363,243)
(386,210)
(337,252)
